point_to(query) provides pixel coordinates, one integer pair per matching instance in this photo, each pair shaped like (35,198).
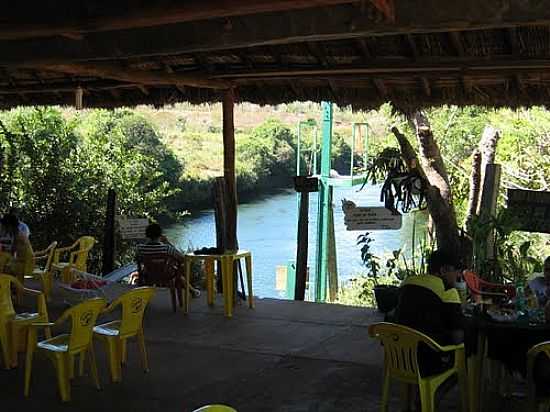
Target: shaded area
(282,356)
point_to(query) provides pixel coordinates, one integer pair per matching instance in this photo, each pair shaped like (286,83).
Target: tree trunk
(488,148)
(439,196)
(438,193)
(475,185)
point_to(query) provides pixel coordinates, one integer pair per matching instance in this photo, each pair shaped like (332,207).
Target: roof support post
(229,168)
(325,207)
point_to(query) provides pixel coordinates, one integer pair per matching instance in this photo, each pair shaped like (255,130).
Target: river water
(268,228)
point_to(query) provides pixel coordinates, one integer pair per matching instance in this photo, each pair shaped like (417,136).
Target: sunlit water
(268,227)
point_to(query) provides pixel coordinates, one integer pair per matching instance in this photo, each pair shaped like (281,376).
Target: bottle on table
(521,304)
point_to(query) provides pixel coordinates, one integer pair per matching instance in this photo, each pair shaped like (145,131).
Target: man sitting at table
(430,304)
(159,244)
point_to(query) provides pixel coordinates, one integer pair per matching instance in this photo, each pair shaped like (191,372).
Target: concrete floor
(282,356)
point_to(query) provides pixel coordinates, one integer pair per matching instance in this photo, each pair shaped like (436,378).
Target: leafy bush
(58,171)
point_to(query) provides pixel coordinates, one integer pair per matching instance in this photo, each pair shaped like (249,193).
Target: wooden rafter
(457,66)
(117,72)
(419,16)
(151,14)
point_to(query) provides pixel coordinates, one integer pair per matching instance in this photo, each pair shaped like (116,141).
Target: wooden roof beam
(53,19)
(117,72)
(460,67)
(419,16)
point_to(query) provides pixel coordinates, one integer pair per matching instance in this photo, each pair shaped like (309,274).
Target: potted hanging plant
(386,296)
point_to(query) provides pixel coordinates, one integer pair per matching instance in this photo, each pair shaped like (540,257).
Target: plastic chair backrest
(5,258)
(83,319)
(156,268)
(80,257)
(215,408)
(133,304)
(6,304)
(400,348)
(50,252)
(472,281)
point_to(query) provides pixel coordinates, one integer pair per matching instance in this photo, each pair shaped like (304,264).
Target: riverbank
(267,226)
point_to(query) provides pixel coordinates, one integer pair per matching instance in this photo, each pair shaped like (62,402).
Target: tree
(437,190)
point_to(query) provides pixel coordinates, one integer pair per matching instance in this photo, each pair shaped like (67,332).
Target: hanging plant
(403,189)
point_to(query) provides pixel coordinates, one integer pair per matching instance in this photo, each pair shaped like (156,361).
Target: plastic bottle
(520,297)
(460,286)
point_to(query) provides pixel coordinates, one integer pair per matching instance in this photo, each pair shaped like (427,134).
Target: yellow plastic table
(226,260)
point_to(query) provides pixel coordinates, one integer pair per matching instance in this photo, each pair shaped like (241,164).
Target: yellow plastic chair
(5,259)
(13,326)
(536,403)
(115,334)
(78,258)
(401,363)
(62,349)
(215,408)
(44,272)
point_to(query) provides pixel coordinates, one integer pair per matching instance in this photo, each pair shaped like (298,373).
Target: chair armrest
(60,250)
(42,325)
(33,292)
(451,348)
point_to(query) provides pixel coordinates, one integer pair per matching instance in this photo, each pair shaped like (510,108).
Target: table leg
(227,279)
(479,376)
(187,284)
(209,268)
(248,261)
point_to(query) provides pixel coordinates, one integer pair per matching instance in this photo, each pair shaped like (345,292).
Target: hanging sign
(306,184)
(369,218)
(131,228)
(530,209)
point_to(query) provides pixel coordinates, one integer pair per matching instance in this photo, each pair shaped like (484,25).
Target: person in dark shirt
(159,244)
(430,304)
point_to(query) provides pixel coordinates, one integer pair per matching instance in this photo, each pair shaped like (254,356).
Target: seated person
(158,244)
(23,228)
(541,284)
(21,249)
(430,304)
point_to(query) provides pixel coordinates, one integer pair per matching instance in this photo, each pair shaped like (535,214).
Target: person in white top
(23,228)
(541,284)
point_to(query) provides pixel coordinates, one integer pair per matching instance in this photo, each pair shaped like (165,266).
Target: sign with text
(131,228)
(531,209)
(370,218)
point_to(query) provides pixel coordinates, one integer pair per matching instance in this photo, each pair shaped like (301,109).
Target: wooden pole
(221,232)
(229,169)
(302,249)
(109,234)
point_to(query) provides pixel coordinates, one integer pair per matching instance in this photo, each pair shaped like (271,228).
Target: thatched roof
(359,53)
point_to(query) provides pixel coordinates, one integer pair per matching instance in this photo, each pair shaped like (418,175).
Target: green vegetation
(57,167)
(57,164)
